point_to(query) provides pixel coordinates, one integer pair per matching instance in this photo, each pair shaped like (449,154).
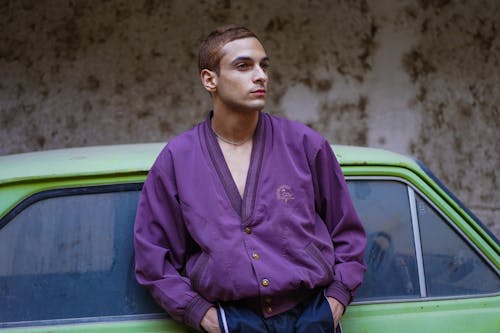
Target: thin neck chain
(233,143)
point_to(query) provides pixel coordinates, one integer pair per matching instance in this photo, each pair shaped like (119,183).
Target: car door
(424,273)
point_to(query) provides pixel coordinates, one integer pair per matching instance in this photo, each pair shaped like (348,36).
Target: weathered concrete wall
(417,77)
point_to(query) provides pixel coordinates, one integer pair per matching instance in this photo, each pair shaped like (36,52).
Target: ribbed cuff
(195,311)
(340,292)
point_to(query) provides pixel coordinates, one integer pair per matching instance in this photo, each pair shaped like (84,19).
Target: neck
(235,126)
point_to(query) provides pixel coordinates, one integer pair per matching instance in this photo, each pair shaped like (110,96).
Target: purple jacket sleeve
(160,246)
(335,206)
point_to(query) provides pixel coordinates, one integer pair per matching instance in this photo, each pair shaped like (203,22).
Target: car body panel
(24,175)
(78,162)
(453,315)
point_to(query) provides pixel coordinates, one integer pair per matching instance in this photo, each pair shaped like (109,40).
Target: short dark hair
(210,54)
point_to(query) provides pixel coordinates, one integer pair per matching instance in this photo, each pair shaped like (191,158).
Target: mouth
(259,92)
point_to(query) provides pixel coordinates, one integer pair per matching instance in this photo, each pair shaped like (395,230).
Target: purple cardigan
(294,232)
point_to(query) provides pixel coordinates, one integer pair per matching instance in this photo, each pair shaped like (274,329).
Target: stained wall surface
(416,77)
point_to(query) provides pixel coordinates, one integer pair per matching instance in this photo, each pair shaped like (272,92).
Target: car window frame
(67,191)
(412,189)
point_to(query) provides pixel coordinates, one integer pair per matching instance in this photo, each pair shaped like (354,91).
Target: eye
(242,66)
(265,66)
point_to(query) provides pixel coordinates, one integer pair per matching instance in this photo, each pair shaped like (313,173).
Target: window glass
(451,266)
(71,257)
(383,207)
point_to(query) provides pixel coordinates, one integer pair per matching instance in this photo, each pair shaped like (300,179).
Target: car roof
(126,158)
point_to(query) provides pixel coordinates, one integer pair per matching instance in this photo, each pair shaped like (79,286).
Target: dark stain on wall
(368,47)
(323,85)
(87,107)
(454,65)
(333,116)
(91,84)
(436,4)
(68,39)
(150,7)
(277,24)
(416,65)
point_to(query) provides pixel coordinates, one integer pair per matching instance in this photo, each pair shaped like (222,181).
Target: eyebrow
(245,58)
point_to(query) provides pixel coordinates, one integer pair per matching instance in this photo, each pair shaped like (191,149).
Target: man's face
(242,80)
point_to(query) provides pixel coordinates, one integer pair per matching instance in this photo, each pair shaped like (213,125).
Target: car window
(451,266)
(383,207)
(71,256)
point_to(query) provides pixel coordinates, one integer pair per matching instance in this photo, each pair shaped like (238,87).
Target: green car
(67,261)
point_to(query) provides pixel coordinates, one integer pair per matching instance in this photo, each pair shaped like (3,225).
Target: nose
(260,75)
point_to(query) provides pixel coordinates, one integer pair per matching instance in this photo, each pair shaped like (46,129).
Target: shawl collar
(243,207)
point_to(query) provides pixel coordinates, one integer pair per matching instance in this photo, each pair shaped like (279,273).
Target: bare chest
(238,161)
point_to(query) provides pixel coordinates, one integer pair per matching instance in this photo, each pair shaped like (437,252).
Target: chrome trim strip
(418,244)
(85,320)
(394,300)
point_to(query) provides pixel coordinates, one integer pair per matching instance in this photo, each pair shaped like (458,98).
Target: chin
(258,106)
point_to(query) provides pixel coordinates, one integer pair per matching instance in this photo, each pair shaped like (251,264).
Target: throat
(234,128)
(232,142)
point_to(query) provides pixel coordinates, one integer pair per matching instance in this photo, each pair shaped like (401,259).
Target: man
(245,223)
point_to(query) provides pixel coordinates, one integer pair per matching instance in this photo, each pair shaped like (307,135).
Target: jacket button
(255,255)
(248,230)
(269,309)
(265,282)
(268,300)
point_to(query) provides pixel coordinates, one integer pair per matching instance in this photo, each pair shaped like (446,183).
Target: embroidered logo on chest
(284,192)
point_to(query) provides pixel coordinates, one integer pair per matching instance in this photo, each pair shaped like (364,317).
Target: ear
(209,80)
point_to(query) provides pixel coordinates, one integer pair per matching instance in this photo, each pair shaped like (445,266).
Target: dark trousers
(313,316)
